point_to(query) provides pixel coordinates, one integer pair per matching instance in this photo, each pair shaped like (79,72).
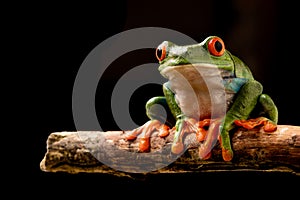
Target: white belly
(198,90)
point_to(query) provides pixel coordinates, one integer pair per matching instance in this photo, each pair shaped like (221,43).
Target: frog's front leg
(154,124)
(183,124)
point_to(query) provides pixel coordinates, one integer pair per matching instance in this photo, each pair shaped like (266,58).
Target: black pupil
(159,52)
(218,46)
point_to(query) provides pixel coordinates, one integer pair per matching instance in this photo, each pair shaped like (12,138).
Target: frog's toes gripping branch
(186,125)
(268,125)
(146,130)
(207,133)
(212,136)
(183,126)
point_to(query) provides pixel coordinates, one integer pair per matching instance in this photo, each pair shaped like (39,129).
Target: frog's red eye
(160,52)
(216,46)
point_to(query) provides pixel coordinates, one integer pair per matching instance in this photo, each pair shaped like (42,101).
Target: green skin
(242,103)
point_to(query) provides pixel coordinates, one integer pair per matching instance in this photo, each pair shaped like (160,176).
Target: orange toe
(205,122)
(227,155)
(201,133)
(163,131)
(130,137)
(270,127)
(177,148)
(144,145)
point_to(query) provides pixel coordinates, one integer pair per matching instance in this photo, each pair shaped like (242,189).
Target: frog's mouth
(195,71)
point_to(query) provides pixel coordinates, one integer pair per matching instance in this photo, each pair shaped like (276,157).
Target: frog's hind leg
(268,115)
(271,111)
(241,109)
(155,123)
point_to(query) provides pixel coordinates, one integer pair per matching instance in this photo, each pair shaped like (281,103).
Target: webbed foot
(211,136)
(203,132)
(267,124)
(184,126)
(146,130)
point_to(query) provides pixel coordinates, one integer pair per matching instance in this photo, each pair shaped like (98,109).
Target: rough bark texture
(109,152)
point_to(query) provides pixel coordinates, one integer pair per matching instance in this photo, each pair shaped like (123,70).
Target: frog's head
(207,55)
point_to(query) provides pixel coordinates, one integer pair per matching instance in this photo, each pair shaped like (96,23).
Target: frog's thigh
(245,101)
(269,107)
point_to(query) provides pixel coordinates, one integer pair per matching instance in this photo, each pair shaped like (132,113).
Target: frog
(209,92)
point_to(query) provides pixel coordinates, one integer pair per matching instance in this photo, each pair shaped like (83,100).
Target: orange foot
(209,136)
(147,129)
(268,125)
(185,126)
(207,132)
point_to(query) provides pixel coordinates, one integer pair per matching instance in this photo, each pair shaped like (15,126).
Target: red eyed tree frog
(193,90)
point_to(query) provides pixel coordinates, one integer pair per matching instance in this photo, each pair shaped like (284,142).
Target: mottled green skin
(248,96)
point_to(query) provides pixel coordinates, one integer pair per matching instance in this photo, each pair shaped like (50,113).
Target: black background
(50,41)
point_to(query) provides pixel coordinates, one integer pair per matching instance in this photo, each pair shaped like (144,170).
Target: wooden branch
(109,152)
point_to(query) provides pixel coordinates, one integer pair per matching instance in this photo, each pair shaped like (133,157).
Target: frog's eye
(160,52)
(216,46)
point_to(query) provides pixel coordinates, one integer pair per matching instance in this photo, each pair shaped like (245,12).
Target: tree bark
(109,152)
